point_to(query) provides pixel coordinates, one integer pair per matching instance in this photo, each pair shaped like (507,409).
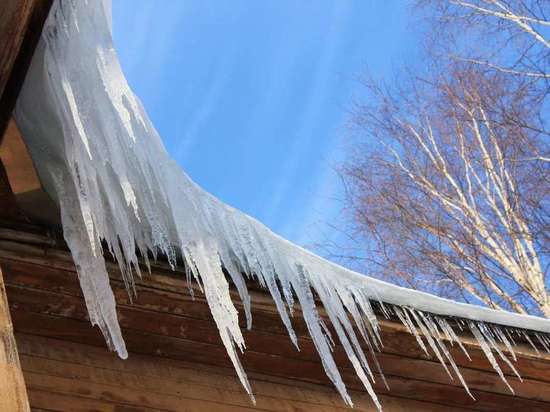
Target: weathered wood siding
(13,394)
(21,24)
(14,18)
(177,361)
(66,376)
(21,193)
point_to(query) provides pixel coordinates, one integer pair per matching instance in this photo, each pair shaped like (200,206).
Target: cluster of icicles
(101,159)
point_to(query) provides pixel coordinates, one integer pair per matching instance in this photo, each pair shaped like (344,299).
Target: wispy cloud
(148,45)
(304,224)
(191,131)
(321,87)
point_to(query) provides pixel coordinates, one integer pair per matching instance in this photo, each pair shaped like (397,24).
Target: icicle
(455,338)
(510,337)
(430,341)
(225,315)
(445,328)
(545,343)
(487,350)
(353,350)
(487,332)
(528,339)
(505,341)
(433,329)
(311,317)
(411,328)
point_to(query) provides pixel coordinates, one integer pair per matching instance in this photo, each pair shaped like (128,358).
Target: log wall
(13,394)
(21,24)
(177,362)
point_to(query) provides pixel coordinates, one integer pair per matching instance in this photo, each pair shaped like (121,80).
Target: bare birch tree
(507,36)
(448,186)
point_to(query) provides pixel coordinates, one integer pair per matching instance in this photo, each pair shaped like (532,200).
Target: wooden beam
(25,187)
(182,332)
(21,23)
(166,324)
(13,19)
(9,211)
(13,394)
(17,161)
(83,362)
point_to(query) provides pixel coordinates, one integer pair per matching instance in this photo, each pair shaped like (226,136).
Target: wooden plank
(38,250)
(13,394)
(168,324)
(9,209)
(181,349)
(187,386)
(17,161)
(21,23)
(13,23)
(127,396)
(136,393)
(23,179)
(203,331)
(50,401)
(167,376)
(179,372)
(179,318)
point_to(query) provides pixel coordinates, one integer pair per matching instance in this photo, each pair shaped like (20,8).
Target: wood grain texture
(21,23)
(176,385)
(14,17)
(21,184)
(17,161)
(176,352)
(9,211)
(13,393)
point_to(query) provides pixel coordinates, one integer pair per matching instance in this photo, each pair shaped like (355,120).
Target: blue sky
(251,97)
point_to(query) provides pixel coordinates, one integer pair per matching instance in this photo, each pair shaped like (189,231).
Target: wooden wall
(14,18)
(177,361)
(67,376)
(21,24)
(13,393)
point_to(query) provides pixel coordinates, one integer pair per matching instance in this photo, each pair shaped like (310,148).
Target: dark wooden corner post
(21,23)
(13,393)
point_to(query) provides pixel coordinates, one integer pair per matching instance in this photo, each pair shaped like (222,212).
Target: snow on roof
(102,160)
